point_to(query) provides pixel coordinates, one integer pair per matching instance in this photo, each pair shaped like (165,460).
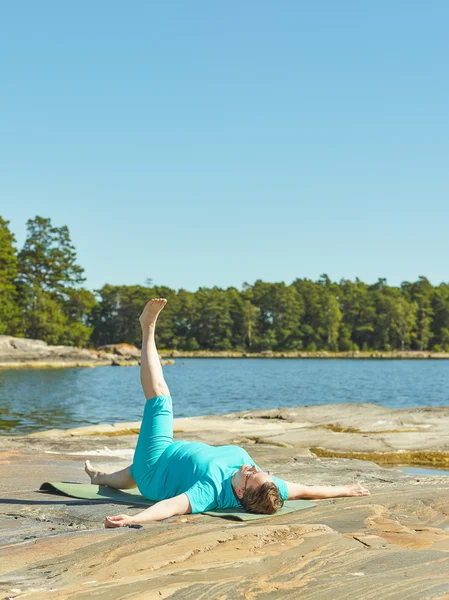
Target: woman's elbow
(183,505)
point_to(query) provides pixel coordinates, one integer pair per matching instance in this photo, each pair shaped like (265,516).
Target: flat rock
(20,352)
(125,350)
(392,544)
(27,353)
(344,428)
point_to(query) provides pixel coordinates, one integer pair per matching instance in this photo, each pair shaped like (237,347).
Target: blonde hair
(265,499)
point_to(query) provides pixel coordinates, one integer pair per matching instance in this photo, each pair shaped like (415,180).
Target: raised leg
(151,441)
(120,480)
(151,375)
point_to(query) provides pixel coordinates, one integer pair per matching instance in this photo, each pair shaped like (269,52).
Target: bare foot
(151,311)
(95,476)
(355,489)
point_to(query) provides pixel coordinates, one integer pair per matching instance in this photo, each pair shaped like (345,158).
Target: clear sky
(205,143)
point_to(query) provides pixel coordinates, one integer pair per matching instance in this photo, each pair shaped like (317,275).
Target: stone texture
(26,353)
(346,428)
(393,544)
(19,352)
(125,350)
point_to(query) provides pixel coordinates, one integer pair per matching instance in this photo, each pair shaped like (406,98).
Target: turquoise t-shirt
(202,472)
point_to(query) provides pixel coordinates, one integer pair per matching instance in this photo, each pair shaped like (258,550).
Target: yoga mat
(87,491)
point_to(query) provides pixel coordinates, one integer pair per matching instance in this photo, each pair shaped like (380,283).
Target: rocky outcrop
(27,353)
(393,544)
(20,352)
(364,431)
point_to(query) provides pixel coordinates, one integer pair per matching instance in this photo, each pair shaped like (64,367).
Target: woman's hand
(118,521)
(179,505)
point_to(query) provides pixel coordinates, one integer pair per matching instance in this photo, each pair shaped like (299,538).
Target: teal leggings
(156,434)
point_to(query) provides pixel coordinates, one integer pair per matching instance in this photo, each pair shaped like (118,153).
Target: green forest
(42,297)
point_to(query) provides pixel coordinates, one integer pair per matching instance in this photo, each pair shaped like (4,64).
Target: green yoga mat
(100,493)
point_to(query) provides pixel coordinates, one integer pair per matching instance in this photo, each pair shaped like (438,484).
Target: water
(33,400)
(427,472)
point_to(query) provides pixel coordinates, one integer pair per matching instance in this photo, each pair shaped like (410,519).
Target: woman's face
(249,478)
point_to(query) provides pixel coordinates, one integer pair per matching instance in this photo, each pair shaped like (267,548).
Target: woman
(192,477)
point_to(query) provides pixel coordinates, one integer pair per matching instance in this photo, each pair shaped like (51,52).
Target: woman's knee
(158,390)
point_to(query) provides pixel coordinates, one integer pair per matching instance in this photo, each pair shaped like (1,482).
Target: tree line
(42,297)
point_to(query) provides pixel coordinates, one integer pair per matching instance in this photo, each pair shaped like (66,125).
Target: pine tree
(48,258)
(48,276)
(9,309)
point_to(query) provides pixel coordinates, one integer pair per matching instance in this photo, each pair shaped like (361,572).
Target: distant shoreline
(406,354)
(170,357)
(22,353)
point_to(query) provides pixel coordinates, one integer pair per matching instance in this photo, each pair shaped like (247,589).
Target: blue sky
(211,143)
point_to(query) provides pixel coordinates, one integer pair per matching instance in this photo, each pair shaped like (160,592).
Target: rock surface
(26,353)
(16,352)
(125,350)
(393,544)
(418,435)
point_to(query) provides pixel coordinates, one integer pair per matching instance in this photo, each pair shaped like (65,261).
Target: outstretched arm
(179,505)
(316,492)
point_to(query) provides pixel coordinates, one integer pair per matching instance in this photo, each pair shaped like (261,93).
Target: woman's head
(256,490)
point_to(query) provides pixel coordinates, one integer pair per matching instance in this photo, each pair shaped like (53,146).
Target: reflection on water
(34,399)
(8,422)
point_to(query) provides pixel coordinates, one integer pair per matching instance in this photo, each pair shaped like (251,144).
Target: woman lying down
(192,477)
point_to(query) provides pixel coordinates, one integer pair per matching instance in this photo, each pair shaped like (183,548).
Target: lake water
(38,399)
(426,472)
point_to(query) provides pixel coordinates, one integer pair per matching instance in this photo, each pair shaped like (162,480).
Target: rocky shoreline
(393,544)
(27,353)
